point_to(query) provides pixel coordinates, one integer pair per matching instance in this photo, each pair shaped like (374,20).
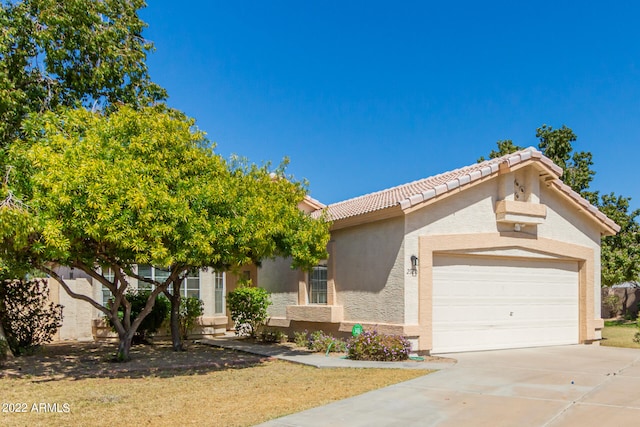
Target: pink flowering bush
(371,345)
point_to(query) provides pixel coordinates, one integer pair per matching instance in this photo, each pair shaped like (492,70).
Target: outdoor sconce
(414,266)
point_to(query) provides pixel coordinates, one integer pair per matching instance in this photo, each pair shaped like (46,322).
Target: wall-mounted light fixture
(414,266)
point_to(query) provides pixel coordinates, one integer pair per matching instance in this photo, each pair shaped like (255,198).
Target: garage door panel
(496,338)
(507,310)
(490,303)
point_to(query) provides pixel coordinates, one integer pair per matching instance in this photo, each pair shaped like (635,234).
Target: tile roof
(413,193)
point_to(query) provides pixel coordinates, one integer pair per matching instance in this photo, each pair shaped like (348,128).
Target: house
(83,322)
(499,254)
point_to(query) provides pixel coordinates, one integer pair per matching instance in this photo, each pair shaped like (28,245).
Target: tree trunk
(124,347)
(4,338)
(176,336)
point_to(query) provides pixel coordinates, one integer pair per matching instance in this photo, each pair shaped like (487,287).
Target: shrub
(248,306)
(318,341)
(301,339)
(190,309)
(321,342)
(153,321)
(612,304)
(370,345)
(28,317)
(273,335)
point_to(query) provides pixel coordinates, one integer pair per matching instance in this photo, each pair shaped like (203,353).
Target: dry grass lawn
(620,335)
(217,391)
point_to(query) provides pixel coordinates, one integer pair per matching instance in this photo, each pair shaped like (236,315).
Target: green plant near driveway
(619,334)
(371,345)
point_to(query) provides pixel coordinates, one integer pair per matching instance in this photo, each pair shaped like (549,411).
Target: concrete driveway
(575,385)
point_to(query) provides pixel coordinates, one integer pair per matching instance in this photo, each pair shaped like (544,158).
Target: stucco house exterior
(83,322)
(498,254)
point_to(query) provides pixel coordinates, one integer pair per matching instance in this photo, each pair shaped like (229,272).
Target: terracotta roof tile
(416,192)
(413,193)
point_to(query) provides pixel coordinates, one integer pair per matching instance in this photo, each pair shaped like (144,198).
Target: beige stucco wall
(207,292)
(277,277)
(369,271)
(79,317)
(76,314)
(371,262)
(466,212)
(565,224)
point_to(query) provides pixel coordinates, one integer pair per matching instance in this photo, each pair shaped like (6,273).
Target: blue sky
(365,95)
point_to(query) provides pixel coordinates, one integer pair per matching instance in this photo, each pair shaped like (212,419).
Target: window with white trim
(150,274)
(318,285)
(190,286)
(218,282)
(108,274)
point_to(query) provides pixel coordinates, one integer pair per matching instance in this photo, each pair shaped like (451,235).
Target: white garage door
(492,303)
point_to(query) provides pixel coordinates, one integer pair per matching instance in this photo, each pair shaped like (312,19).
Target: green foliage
(505,146)
(152,322)
(190,309)
(102,176)
(556,145)
(371,345)
(269,335)
(28,318)
(66,53)
(612,304)
(620,254)
(141,187)
(320,342)
(248,306)
(301,339)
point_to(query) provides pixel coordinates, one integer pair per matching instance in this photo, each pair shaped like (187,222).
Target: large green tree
(620,254)
(141,187)
(69,53)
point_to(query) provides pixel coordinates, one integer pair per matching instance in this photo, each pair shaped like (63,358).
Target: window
(150,273)
(146,271)
(318,285)
(191,285)
(106,293)
(218,281)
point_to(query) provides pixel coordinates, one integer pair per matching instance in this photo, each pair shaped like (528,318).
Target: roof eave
(607,225)
(365,218)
